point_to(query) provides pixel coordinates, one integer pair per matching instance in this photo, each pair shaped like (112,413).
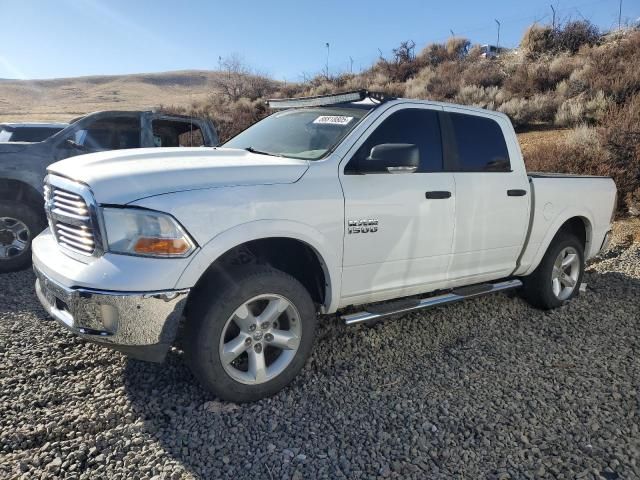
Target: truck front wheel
(557,279)
(248,336)
(19,224)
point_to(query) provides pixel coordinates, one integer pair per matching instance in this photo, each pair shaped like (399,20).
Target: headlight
(144,232)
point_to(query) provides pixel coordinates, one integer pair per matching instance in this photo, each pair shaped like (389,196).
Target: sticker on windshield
(333,120)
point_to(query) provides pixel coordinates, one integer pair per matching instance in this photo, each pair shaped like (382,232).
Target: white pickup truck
(335,201)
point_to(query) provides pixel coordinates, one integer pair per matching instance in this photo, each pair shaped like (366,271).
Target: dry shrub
(484,73)
(540,40)
(477,96)
(530,78)
(582,109)
(563,65)
(543,107)
(613,67)
(403,65)
(537,40)
(434,54)
(580,153)
(517,109)
(620,135)
(570,112)
(416,87)
(573,35)
(231,117)
(457,48)
(447,81)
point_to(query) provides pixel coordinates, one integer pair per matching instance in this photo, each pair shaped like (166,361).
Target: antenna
(350,64)
(498,41)
(328,51)
(553,22)
(620,16)
(452,34)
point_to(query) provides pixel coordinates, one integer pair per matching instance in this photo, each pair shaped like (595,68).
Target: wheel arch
(578,223)
(296,249)
(22,192)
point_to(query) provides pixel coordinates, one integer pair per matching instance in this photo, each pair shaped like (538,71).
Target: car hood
(123,176)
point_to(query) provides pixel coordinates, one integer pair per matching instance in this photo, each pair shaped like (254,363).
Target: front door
(398,226)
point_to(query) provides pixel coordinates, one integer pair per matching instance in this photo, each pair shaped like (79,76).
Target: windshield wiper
(260,152)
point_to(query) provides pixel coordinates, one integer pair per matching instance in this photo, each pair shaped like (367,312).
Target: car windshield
(307,133)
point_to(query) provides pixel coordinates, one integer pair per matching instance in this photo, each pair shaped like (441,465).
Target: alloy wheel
(14,237)
(565,273)
(260,339)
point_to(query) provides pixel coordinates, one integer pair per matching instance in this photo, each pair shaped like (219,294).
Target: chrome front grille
(72,217)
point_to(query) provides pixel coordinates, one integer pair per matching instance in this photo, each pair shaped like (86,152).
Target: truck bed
(557,196)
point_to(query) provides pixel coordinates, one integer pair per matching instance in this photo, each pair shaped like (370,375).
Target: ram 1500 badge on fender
(352,199)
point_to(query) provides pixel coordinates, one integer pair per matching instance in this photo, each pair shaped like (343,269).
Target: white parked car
(351,199)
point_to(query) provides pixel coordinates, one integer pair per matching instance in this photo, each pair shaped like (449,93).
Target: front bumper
(142,325)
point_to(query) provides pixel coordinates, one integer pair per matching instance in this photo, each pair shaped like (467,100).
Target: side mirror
(391,158)
(76,146)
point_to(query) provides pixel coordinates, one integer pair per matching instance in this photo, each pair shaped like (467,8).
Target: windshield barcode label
(333,120)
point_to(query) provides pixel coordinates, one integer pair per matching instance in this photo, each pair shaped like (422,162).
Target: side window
(176,133)
(477,144)
(110,134)
(417,126)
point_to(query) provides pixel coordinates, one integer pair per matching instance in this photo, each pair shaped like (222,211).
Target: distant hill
(66,98)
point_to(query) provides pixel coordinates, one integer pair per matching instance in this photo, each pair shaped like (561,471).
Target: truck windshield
(307,133)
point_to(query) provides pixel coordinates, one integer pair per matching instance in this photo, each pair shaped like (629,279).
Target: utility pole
(620,16)
(327,66)
(553,22)
(498,41)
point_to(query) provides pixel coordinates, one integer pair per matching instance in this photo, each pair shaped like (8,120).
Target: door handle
(437,195)
(516,193)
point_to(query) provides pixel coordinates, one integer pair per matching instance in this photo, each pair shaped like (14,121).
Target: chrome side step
(377,312)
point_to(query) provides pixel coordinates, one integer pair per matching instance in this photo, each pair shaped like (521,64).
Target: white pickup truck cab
(350,199)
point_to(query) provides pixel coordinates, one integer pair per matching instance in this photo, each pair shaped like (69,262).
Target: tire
(225,319)
(540,288)
(19,224)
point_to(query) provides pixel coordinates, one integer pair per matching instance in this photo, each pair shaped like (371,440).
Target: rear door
(398,227)
(492,195)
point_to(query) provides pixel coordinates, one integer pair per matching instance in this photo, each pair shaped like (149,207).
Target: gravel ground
(490,388)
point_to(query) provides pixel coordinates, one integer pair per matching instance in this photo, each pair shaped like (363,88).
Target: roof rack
(323,100)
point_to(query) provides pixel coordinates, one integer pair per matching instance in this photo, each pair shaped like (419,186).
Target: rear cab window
(177,133)
(475,144)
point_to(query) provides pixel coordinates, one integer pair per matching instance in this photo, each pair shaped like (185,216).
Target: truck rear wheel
(557,279)
(248,336)
(19,224)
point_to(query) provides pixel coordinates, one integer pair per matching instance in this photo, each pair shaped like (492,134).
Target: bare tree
(232,82)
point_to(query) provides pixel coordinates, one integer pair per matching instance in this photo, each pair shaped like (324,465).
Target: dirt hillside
(63,99)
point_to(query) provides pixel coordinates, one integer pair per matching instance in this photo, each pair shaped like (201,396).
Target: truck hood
(123,176)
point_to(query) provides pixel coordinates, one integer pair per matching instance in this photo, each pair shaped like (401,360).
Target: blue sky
(283,38)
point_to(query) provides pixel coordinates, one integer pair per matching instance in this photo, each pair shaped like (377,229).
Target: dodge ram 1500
(351,199)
